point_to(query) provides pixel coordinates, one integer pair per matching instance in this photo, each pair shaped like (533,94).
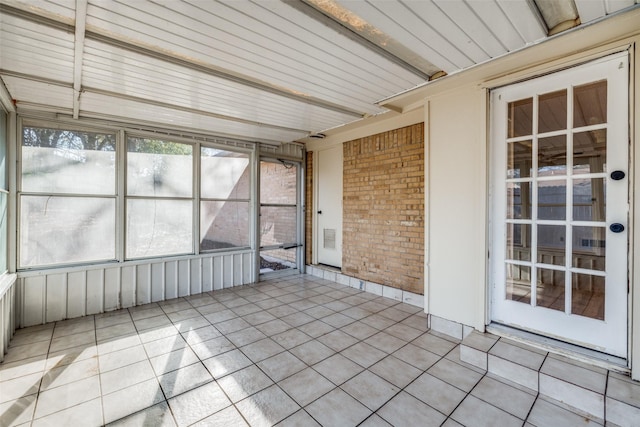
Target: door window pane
(552,111)
(550,289)
(159,227)
(589,247)
(551,244)
(224,174)
(519,159)
(520,119)
(552,156)
(589,198)
(519,283)
(552,199)
(69,162)
(590,152)
(587,295)
(278,183)
(158,168)
(224,224)
(519,242)
(590,104)
(64,230)
(278,225)
(518,200)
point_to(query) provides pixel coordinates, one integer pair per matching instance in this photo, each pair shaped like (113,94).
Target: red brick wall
(383,199)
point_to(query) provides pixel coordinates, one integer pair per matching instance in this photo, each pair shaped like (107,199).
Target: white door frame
(556,320)
(316,186)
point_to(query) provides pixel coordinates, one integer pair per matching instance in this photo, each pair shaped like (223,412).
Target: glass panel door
(280,239)
(560,205)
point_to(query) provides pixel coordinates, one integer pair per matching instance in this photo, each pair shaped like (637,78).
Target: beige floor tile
(338,368)
(375,421)
(338,320)
(27,351)
(112,318)
(262,349)
(126,376)
(244,383)
(66,396)
(434,344)
(116,331)
(213,347)
(404,410)
(164,345)
(312,352)
(219,316)
(232,325)
(267,407)
(337,408)
(69,373)
(297,319)
(119,343)
(226,363)
(198,404)
(168,362)
(299,419)
(184,314)
(510,399)
(245,336)
(403,332)
(191,324)
(16,388)
(370,390)
(74,326)
(196,336)
(385,342)
(359,330)
(145,311)
(291,338)
(473,411)
(316,328)
(273,327)
(157,415)
(158,333)
(153,322)
(436,393)
(364,354)
(306,386)
(17,412)
(454,374)
(184,379)
(71,355)
(127,401)
(121,358)
(337,340)
(395,371)
(87,414)
(281,366)
(228,417)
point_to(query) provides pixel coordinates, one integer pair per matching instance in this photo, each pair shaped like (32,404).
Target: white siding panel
(157,282)
(134,110)
(589,10)
(39,93)
(476,29)
(95,291)
(247,268)
(196,277)
(616,5)
(493,16)
(184,274)
(143,284)
(76,294)
(227,274)
(112,296)
(33,290)
(128,294)
(237,269)
(170,280)
(56,307)
(524,19)
(207,274)
(61,8)
(218,273)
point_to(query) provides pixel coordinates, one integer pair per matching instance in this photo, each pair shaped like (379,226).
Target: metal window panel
(102,105)
(30,91)
(403,25)
(589,10)
(476,29)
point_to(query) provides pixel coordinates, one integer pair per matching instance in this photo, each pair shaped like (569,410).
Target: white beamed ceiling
(265,70)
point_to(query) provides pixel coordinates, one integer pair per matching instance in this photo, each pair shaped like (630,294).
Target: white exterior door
(329,211)
(560,197)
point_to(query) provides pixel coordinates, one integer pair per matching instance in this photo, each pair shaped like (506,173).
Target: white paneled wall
(51,295)
(7,311)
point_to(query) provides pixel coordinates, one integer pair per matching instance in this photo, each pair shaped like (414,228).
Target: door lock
(616,227)
(319,212)
(617,175)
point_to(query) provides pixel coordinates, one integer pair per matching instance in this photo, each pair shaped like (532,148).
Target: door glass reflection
(589,248)
(552,199)
(551,244)
(552,156)
(590,104)
(589,198)
(590,152)
(518,200)
(520,119)
(587,295)
(552,111)
(519,242)
(519,159)
(550,289)
(518,283)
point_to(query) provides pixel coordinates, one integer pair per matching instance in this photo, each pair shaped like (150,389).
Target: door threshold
(552,345)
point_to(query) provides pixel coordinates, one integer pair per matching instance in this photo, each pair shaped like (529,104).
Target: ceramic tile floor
(293,351)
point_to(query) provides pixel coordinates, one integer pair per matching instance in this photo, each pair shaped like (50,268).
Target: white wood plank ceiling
(260,70)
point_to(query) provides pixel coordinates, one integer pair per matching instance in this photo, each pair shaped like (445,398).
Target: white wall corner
(393,293)
(413,299)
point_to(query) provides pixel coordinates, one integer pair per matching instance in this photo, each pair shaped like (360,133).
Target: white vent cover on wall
(329,238)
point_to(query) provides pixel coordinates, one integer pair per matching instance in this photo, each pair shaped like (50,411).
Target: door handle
(617,175)
(616,227)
